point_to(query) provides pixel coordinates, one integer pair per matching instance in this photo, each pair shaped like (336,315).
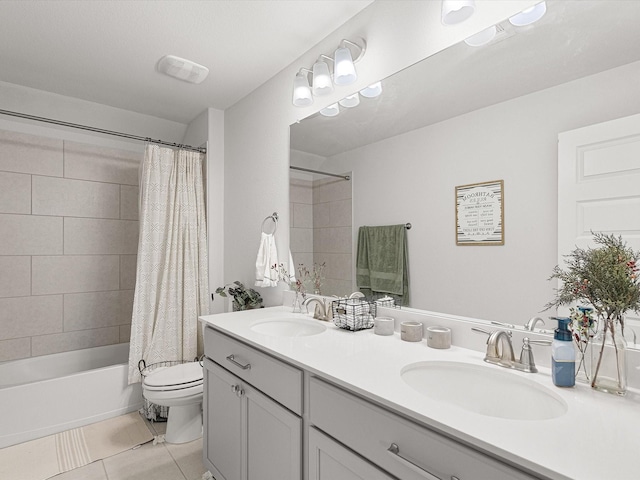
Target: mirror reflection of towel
(381,261)
(267,258)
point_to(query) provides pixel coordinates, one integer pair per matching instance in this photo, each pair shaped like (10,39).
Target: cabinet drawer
(422,454)
(277,379)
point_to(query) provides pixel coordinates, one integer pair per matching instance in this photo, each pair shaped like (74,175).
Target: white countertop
(598,438)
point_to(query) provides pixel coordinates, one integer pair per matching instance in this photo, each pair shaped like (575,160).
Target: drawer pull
(395,450)
(243,367)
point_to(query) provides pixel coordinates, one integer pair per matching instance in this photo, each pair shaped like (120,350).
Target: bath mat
(49,456)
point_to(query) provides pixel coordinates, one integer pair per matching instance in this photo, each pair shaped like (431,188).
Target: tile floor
(153,462)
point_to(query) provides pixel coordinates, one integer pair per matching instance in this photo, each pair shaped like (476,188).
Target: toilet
(180,388)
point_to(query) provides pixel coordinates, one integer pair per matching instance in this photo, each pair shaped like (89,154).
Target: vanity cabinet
(328,460)
(250,435)
(401,447)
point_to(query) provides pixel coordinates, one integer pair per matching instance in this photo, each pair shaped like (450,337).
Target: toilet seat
(182,377)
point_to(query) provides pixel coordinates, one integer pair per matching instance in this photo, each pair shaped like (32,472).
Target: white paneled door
(599,186)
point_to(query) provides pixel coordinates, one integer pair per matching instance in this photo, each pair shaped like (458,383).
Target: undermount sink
(484,390)
(289,327)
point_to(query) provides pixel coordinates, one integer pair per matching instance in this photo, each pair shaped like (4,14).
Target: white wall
(412,178)
(58,107)
(398,34)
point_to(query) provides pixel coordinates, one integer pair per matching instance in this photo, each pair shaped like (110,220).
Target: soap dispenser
(563,355)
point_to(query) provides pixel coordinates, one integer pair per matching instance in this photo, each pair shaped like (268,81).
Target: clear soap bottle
(563,355)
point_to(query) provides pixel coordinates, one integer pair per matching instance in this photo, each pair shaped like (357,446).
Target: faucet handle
(527,363)
(480,330)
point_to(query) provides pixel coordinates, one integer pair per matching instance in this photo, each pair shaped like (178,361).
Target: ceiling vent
(182,69)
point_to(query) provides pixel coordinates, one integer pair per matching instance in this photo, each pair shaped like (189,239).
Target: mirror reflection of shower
(321,227)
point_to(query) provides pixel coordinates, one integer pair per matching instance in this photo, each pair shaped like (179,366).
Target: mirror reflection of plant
(304,280)
(317,277)
(243,298)
(282,275)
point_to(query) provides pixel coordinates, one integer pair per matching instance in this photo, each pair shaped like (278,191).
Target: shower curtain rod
(346,177)
(100,130)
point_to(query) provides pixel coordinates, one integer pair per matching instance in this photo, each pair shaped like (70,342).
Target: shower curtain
(171,282)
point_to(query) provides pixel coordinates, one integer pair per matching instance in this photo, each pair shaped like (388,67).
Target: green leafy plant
(243,298)
(605,277)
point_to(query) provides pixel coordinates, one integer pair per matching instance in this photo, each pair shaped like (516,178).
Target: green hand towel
(381,261)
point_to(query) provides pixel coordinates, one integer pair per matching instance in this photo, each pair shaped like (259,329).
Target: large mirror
(469,115)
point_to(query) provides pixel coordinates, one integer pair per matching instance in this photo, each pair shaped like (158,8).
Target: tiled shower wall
(321,230)
(68,243)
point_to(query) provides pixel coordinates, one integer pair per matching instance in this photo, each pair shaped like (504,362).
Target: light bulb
(350,101)
(302,91)
(330,111)
(322,84)
(457,11)
(529,16)
(372,90)
(344,70)
(482,38)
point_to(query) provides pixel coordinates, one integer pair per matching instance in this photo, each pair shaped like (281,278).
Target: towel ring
(274,218)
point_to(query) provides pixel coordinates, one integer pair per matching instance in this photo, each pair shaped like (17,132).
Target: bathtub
(44,395)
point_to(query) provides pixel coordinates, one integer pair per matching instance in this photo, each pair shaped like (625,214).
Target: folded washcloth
(267,257)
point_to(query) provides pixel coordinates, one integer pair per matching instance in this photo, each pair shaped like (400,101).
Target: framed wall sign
(480,213)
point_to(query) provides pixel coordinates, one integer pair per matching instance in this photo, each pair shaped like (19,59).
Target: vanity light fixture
(457,11)
(330,111)
(322,81)
(302,96)
(482,38)
(529,16)
(350,101)
(372,91)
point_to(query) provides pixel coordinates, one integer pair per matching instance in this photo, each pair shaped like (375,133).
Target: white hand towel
(267,258)
(292,270)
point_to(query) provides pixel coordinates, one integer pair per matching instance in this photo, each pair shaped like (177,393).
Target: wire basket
(353,313)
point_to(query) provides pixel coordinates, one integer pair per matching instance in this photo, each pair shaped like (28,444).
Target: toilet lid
(181,375)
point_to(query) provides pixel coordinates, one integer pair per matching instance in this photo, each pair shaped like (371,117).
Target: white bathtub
(44,395)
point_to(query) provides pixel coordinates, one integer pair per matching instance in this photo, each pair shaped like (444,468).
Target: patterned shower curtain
(172,282)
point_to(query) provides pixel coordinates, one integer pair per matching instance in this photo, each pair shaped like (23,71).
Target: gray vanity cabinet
(399,446)
(329,460)
(249,435)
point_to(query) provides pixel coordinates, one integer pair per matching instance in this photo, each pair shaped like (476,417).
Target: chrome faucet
(320,312)
(531,324)
(500,351)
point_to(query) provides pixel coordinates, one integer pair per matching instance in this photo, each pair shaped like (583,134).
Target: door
(599,186)
(329,460)
(274,438)
(222,444)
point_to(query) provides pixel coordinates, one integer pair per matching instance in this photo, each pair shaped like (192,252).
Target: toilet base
(184,423)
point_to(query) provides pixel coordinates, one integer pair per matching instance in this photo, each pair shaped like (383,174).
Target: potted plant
(605,277)
(243,298)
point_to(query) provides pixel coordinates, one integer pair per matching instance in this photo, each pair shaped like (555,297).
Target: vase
(608,364)
(297,303)
(583,364)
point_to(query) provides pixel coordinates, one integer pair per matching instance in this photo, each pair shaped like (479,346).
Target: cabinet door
(329,460)
(223,423)
(274,438)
